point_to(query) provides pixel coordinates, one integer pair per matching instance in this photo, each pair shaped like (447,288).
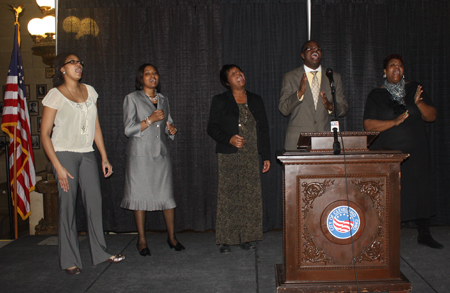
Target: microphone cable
(336,151)
(348,212)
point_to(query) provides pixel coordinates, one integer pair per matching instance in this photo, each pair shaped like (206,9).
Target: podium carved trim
(373,190)
(374,251)
(369,185)
(312,191)
(311,252)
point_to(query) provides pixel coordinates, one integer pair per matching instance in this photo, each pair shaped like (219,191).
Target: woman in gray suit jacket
(148,174)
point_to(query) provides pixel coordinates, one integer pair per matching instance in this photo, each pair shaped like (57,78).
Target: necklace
(153,98)
(243,117)
(85,109)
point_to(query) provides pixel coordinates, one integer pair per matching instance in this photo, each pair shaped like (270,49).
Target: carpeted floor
(30,264)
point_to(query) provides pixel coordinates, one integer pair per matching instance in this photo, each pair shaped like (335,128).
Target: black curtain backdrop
(357,35)
(190,40)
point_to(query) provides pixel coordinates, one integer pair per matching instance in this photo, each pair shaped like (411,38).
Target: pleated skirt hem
(138,205)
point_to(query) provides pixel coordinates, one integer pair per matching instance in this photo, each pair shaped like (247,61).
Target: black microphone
(336,143)
(330,77)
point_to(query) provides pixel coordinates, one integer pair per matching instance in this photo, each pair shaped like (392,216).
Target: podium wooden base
(401,285)
(341,213)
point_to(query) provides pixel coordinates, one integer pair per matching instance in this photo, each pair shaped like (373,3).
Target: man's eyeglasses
(312,48)
(74,62)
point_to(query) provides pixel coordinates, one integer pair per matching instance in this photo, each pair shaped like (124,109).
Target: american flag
(15,114)
(342,226)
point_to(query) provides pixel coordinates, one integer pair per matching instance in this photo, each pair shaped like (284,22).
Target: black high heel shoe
(144,251)
(178,246)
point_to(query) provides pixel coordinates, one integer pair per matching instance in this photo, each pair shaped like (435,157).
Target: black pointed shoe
(224,249)
(144,251)
(247,246)
(429,241)
(178,246)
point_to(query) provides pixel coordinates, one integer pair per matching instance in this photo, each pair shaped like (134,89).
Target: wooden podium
(341,217)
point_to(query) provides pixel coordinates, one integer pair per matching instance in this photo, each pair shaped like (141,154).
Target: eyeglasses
(312,48)
(74,62)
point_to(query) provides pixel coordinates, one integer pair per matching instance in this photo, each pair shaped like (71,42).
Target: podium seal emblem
(343,222)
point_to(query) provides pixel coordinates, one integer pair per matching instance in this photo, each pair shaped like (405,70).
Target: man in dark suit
(306,96)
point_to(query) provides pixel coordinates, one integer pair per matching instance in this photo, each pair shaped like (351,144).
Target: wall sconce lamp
(43,30)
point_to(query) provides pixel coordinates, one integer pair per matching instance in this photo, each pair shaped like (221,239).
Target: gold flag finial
(18,10)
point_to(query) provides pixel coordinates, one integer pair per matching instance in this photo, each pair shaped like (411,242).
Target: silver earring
(384,75)
(64,72)
(403,77)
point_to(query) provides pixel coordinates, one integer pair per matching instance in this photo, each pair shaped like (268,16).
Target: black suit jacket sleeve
(223,122)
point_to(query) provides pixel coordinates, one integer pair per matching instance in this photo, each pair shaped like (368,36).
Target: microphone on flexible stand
(334,121)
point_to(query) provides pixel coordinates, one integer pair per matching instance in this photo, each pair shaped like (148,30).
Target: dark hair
(389,58)
(224,73)
(60,59)
(304,44)
(140,75)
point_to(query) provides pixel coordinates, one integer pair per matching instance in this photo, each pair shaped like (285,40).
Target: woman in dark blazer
(148,174)
(238,123)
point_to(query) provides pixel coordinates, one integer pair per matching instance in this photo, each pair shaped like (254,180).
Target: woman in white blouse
(70,112)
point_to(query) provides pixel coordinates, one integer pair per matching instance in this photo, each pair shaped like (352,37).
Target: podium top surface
(323,141)
(304,155)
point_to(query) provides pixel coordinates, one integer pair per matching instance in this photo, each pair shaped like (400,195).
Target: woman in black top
(400,110)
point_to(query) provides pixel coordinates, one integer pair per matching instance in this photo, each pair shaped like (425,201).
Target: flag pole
(16,226)
(17,11)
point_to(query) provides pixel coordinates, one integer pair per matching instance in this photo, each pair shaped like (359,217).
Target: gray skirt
(148,184)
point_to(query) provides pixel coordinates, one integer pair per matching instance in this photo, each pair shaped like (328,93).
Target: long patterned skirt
(239,200)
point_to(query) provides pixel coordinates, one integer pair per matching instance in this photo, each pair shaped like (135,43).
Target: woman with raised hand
(148,175)
(238,123)
(400,110)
